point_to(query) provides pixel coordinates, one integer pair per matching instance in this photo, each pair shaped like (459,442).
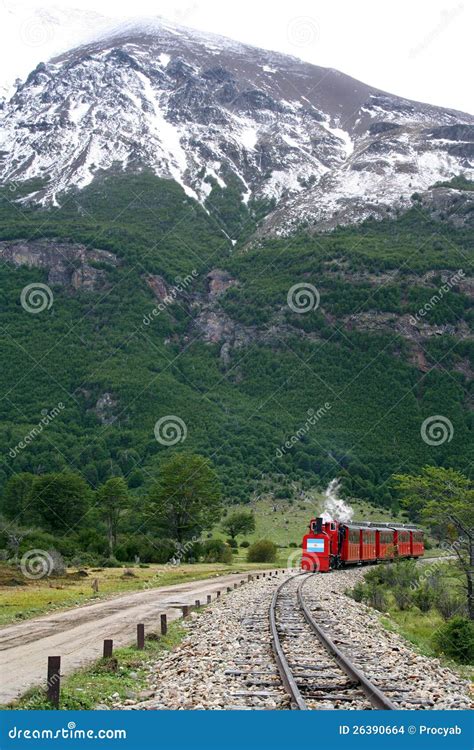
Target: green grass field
(283,522)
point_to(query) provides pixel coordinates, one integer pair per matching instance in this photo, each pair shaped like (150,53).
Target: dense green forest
(93,347)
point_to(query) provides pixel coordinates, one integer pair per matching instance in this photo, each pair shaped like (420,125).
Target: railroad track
(315,673)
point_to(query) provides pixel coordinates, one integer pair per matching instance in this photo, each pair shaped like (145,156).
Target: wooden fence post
(164,624)
(140,636)
(108,648)
(54,680)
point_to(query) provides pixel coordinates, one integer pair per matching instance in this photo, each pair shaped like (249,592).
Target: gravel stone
(226,662)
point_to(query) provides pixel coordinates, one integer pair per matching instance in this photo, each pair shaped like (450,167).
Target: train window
(333,527)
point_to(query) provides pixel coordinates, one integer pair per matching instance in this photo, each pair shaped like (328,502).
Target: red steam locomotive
(331,544)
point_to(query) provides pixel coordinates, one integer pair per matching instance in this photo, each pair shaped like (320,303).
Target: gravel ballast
(226,661)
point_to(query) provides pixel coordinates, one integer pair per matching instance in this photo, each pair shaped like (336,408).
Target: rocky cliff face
(203,111)
(68,264)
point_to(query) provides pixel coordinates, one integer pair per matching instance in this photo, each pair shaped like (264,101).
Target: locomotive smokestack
(319,525)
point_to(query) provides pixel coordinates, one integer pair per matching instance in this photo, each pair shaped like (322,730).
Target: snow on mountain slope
(202,109)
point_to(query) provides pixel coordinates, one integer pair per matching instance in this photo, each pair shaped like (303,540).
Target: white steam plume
(334,508)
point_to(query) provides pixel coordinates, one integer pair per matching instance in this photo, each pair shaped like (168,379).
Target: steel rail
(375,696)
(297,700)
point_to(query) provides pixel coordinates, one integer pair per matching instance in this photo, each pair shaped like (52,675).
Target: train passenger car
(368,545)
(417,548)
(385,544)
(402,542)
(331,544)
(351,546)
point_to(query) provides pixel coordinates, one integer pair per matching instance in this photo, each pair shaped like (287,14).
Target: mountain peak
(207,111)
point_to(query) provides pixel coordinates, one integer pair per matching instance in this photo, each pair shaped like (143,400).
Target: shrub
(376,597)
(245,543)
(449,603)
(423,598)
(358,592)
(262,551)
(143,549)
(292,544)
(215,550)
(36,539)
(83,560)
(403,597)
(456,639)
(232,543)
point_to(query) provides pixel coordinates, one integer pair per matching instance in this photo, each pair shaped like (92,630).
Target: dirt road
(77,634)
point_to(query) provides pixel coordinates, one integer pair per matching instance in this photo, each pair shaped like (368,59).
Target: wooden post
(185,610)
(141,636)
(108,648)
(235,585)
(229,589)
(249,577)
(164,625)
(54,680)
(197,603)
(218,594)
(209,598)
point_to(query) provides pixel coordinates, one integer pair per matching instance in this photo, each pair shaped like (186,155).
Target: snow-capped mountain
(29,33)
(201,110)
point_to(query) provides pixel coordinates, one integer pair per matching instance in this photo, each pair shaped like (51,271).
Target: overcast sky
(420,49)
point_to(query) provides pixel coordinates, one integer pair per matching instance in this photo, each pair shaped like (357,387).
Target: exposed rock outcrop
(68,264)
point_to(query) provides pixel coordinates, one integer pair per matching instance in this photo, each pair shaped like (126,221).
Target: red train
(331,544)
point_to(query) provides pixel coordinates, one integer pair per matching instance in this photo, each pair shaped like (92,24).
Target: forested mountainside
(151,311)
